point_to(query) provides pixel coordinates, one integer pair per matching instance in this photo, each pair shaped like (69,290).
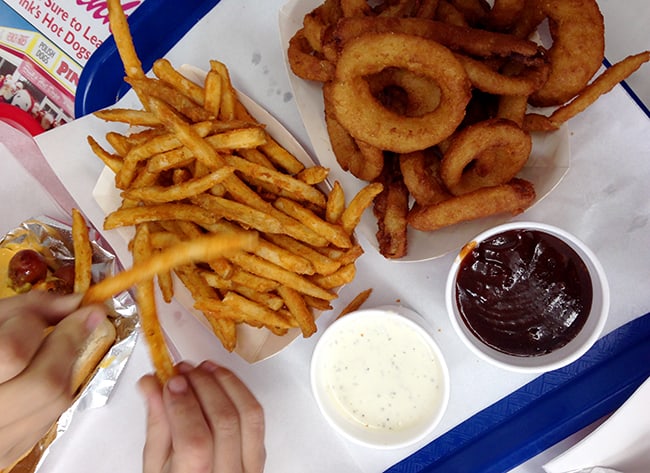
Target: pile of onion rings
(436,99)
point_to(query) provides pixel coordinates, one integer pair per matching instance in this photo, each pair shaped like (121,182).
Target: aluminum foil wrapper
(55,238)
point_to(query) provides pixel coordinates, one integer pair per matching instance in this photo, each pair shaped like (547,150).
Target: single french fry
(212,90)
(185,190)
(241,138)
(238,278)
(123,39)
(148,314)
(83,252)
(228,94)
(164,239)
(201,249)
(166,285)
(359,203)
(313,175)
(316,303)
(164,70)
(113,162)
(342,276)
(281,157)
(299,310)
(335,203)
(355,303)
(125,217)
(600,85)
(284,258)
(127,115)
(171,159)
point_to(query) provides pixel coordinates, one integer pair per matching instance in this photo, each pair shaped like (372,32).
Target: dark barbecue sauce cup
(527,296)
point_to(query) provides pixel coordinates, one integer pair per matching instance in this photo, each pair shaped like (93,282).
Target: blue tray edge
(101,82)
(544,411)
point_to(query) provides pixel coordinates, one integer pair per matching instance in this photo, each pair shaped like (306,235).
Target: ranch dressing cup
(379,378)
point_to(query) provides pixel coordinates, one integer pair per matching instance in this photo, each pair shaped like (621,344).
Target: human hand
(35,369)
(203,420)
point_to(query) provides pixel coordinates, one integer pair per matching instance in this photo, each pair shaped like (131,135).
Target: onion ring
(472,41)
(421,173)
(484,78)
(367,120)
(513,197)
(307,63)
(360,159)
(497,148)
(578,32)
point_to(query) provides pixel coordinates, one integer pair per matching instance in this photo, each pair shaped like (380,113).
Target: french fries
(83,253)
(199,169)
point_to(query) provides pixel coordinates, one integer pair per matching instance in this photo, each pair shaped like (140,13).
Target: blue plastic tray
(543,412)
(502,436)
(155,27)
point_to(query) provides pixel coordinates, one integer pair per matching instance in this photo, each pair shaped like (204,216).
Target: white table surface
(603,199)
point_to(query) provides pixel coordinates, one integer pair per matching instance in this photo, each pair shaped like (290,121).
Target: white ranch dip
(381,371)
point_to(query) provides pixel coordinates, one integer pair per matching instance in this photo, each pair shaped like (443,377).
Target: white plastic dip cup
(379,378)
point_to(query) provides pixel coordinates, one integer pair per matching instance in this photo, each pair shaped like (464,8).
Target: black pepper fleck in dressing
(524,292)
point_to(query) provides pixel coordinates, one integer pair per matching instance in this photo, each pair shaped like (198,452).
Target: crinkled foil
(55,239)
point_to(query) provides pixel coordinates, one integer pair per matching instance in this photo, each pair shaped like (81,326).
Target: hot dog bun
(96,346)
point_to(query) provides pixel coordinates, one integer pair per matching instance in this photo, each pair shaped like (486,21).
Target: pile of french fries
(196,163)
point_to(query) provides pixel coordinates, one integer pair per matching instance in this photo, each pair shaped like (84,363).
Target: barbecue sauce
(524,292)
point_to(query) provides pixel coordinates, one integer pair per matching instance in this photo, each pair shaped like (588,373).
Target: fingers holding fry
(203,249)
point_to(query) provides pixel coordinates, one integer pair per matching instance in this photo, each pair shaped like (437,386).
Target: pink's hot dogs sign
(78,27)
(40,67)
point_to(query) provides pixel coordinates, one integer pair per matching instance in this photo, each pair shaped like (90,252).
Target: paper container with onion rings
(440,102)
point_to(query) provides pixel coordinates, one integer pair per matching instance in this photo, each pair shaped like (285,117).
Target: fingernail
(209,366)
(177,385)
(95,318)
(184,367)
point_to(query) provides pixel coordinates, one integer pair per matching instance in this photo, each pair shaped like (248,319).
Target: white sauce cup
(379,378)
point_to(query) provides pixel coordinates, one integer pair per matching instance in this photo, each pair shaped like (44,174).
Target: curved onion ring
(484,78)
(360,159)
(420,171)
(513,197)
(305,62)
(497,148)
(473,41)
(367,120)
(578,33)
